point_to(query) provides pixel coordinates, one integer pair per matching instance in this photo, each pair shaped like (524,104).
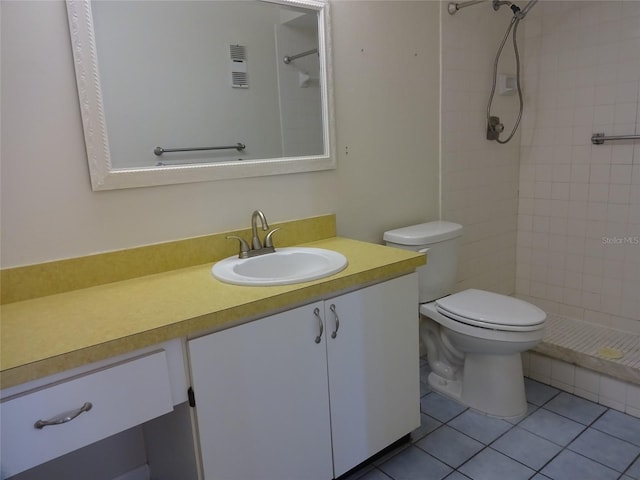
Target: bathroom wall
(386,97)
(386,63)
(479,177)
(578,250)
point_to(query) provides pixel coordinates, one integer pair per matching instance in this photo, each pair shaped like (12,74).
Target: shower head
(498,3)
(518,13)
(453,7)
(526,8)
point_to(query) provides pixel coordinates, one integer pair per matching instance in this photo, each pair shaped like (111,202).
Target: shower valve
(494,128)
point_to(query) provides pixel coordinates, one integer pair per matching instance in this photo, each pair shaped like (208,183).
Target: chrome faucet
(256,248)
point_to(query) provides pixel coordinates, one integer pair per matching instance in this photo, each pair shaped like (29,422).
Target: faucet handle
(244,246)
(268,240)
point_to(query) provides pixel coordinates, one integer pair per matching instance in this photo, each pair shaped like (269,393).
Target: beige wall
(387,102)
(386,71)
(479,177)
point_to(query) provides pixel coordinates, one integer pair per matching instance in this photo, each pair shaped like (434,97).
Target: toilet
(473,338)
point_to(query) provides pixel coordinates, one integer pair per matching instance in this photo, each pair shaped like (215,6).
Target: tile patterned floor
(562,437)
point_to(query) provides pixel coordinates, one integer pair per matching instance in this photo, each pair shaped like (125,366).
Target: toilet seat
(491,311)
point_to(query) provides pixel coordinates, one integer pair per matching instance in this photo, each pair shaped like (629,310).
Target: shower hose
(512,26)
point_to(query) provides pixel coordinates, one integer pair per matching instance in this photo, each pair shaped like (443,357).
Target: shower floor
(604,350)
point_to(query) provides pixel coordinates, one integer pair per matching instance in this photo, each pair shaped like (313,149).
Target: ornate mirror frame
(105,177)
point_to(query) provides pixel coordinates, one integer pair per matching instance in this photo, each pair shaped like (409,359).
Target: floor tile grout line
(556,443)
(588,425)
(485,446)
(637,459)
(566,447)
(489,446)
(515,460)
(512,426)
(382,472)
(598,462)
(562,448)
(610,434)
(585,426)
(440,459)
(539,470)
(444,396)
(549,461)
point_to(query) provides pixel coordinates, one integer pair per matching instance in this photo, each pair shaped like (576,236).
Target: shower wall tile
(633,396)
(578,228)
(587,384)
(562,375)
(613,393)
(582,382)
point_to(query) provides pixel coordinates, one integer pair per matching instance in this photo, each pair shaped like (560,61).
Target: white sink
(283,267)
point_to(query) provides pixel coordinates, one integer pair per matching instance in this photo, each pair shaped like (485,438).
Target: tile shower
(578,250)
(548,216)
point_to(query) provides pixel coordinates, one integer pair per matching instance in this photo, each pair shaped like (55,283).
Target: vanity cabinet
(139,420)
(310,392)
(373,369)
(46,423)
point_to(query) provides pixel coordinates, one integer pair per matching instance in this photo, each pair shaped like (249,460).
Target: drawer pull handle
(316,312)
(63,417)
(334,334)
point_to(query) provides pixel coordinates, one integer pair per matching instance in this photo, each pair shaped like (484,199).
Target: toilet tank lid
(424,233)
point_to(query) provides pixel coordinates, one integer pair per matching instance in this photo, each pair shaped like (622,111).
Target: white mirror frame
(105,177)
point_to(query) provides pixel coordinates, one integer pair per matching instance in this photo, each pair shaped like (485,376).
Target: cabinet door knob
(63,417)
(316,312)
(334,334)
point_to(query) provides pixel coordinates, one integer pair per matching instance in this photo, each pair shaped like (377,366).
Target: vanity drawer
(121,396)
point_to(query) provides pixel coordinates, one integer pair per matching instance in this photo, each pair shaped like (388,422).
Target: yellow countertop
(50,334)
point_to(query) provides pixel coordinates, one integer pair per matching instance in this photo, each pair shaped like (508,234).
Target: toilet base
(490,384)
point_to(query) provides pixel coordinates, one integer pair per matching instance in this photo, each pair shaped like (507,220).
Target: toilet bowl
(475,358)
(473,338)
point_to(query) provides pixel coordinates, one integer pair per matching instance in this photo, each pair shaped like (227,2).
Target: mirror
(177,91)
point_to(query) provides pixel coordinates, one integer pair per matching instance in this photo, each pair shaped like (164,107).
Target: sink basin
(283,267)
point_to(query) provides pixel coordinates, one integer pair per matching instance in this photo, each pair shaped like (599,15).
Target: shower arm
(453,7)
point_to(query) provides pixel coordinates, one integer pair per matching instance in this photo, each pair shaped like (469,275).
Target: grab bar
(159,150)
(600,138)
(287,59)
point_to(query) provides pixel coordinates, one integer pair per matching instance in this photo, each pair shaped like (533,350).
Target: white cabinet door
(262,403)
(373,369)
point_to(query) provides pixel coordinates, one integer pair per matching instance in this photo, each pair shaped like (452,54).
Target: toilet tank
(441,241)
